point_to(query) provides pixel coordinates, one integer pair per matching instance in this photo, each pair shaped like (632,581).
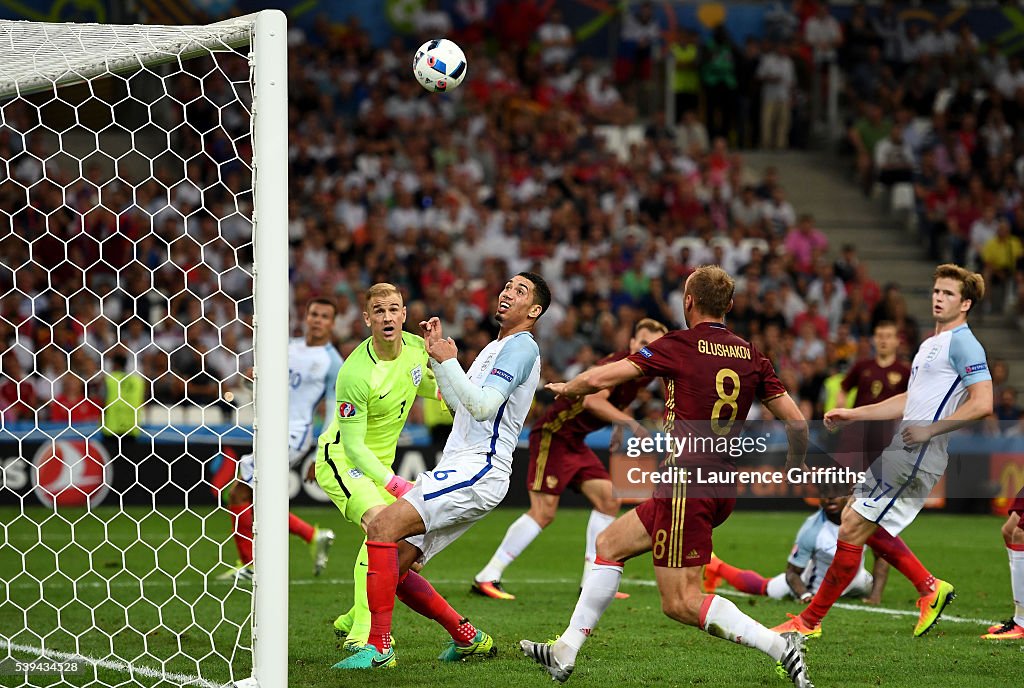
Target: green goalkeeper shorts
(352,492)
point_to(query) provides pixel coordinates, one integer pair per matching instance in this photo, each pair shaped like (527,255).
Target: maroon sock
(419,595)
(744,580)
(381,581)
(896,552)
(838,577)
(296,526)
(242,518)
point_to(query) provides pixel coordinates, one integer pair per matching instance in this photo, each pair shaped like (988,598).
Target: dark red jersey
(875,383)
(567,415)
(711,376)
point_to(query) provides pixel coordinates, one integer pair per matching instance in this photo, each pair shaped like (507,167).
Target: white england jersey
(312,373)
(815,548)
(512,366)
(946,364)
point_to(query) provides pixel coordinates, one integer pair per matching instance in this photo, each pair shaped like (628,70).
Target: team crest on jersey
(355,473)
(417,375)
(933,354)
(894,378)
(346,409)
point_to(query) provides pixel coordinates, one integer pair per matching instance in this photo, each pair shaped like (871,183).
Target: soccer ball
(439,65)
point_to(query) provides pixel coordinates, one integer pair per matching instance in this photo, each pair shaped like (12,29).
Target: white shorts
(451,500)
(778,588)
(296,453)
(894,490)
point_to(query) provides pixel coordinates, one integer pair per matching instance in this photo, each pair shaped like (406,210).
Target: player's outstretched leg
(353,627)
(682,600)
(1013,536)
(419,595)
(793,664)
(935,594)
(744,580)
(380,594)
(559,657)
(240,506)
(840,574)
(517,538)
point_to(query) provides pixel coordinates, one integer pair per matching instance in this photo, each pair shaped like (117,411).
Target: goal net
(143,318)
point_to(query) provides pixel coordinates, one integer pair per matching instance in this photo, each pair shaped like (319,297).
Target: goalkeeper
(375,391)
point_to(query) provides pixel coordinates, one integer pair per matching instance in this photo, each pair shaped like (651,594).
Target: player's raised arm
(511,368)
(597,379)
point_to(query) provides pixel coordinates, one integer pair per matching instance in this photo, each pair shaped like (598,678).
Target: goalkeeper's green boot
(368,657)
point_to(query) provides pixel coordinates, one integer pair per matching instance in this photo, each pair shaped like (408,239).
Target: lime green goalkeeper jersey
(372,401)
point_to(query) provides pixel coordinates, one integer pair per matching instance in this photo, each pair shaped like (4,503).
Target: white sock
(1017,584)
(724,620)
(778,588)
(517,538)
(598,592)
(595,525)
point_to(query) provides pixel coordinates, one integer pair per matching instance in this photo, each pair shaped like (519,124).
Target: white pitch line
(526,581)
(123,667)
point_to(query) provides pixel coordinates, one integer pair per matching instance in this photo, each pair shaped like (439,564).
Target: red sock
(419,595)
(296,526)
(242,517)
(744,580)
(838,577)
(896,552)
(225,473)
(381,581)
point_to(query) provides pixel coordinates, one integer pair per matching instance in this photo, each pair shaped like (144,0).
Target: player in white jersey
(491,401)
(812,554)
(313,365)
(950,387)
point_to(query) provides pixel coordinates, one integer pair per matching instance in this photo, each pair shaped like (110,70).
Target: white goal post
(143,235)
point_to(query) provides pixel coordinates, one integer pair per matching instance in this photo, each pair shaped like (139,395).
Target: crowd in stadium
(448,196)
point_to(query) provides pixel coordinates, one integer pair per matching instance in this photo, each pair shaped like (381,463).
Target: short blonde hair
(380,291)
(711,288)
(649,324)
(972,284)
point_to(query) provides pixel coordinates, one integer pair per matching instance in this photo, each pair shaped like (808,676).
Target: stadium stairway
(820,183)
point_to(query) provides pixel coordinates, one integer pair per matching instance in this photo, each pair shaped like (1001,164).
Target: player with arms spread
(375,391)
(491,402)
(709,373)
(313,365)
(949,387)
(560,458)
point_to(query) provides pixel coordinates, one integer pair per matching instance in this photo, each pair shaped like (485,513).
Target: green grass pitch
(76,578)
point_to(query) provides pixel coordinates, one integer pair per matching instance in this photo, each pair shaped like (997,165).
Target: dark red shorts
(680,528)
(1017,507)
(558,462)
